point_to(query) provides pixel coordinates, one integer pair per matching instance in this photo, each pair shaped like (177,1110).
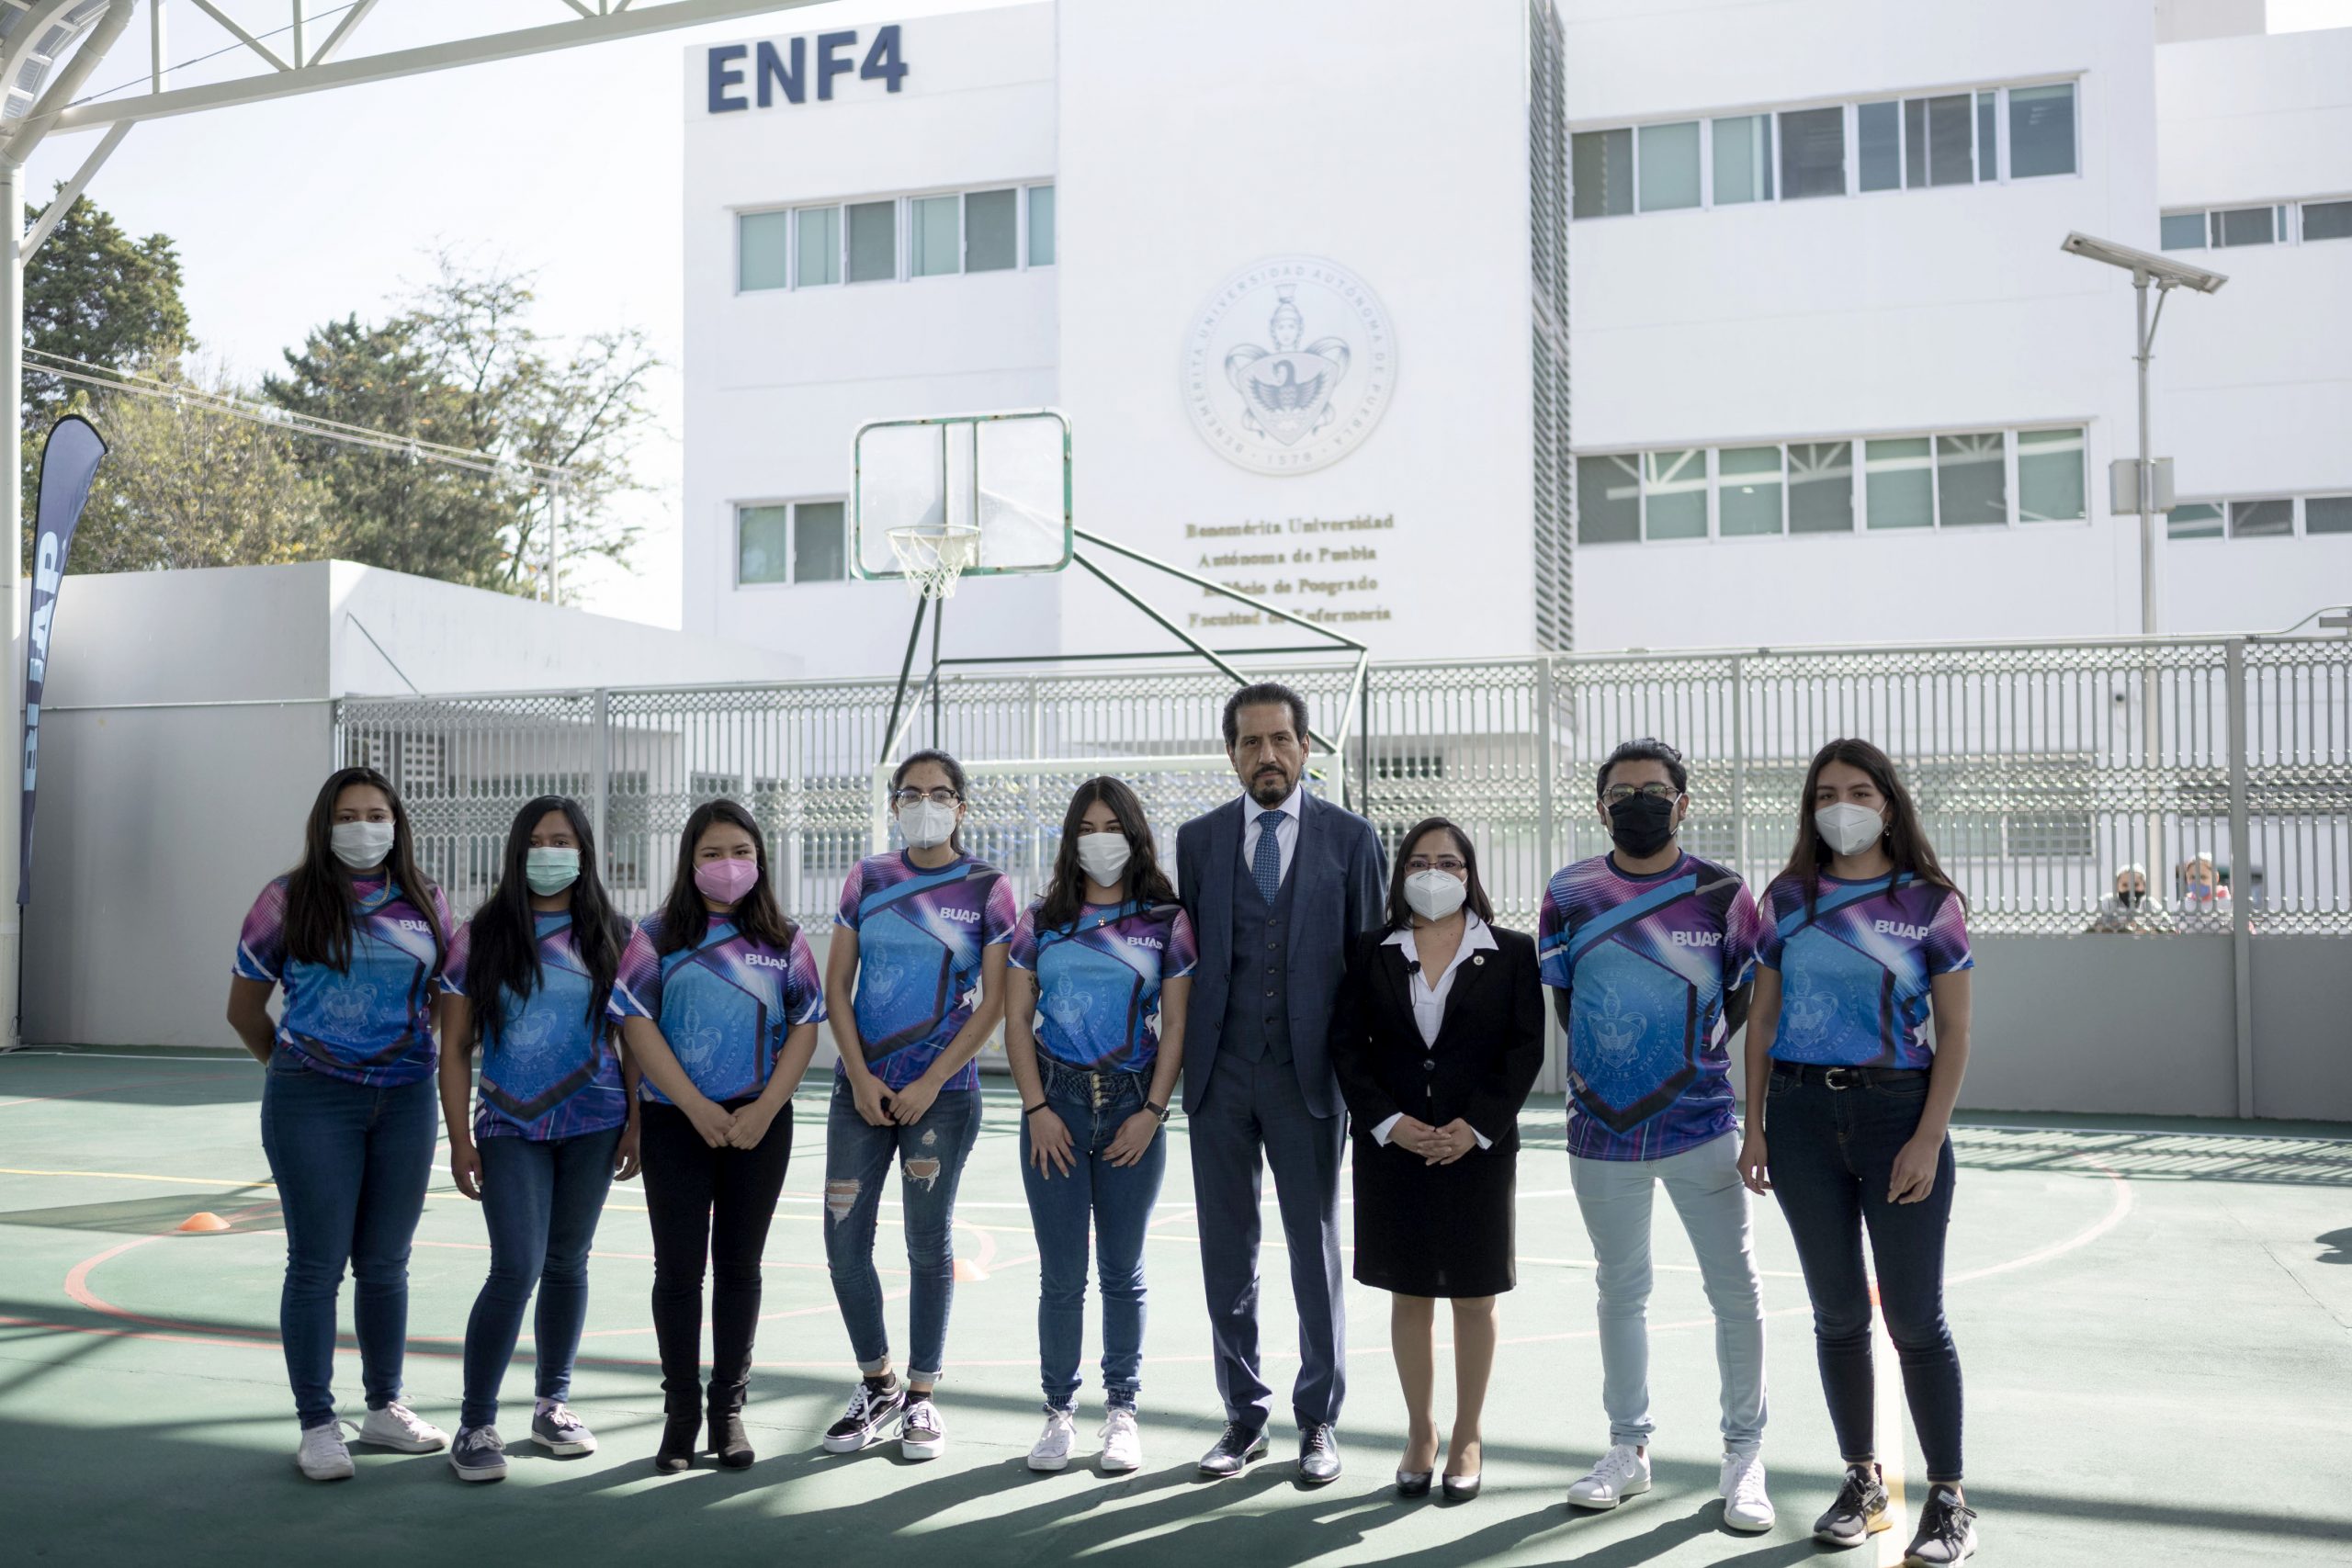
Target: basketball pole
(906,668)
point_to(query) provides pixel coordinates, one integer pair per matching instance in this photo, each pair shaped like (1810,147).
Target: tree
(460,365)
(91,293)
(184,485)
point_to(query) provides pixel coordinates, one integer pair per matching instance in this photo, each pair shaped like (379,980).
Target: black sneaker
(1860,1511)
(1947,1531)
(870,1412)
(922,1434)
(1237,1447)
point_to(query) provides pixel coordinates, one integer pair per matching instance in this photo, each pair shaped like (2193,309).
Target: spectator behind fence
(2131,912)
(2202,886)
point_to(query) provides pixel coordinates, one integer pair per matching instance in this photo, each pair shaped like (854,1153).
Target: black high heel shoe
(1413,1483)
(728,1438)
(677,1450)
(1461,1488)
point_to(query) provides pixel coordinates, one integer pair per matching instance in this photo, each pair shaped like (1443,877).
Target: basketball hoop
(933,558)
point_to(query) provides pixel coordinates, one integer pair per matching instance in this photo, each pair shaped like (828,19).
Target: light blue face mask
(551,870)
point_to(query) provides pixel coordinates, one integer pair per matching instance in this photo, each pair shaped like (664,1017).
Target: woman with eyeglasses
(915,986)
(355,938)
(1094,1030)
(1437,1039)
(1865,938)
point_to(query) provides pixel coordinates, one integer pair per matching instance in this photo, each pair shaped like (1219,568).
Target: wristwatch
(1159,1111)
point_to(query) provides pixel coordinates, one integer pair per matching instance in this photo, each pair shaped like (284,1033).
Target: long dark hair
(318,891)
(1147,883)
(954,772)
(505,958)
(1906,840)
(1400,914)
(685,915)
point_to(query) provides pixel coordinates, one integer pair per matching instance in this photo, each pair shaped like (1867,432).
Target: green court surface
(2155,1322)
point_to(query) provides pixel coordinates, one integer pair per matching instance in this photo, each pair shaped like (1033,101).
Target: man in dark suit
(1277,883)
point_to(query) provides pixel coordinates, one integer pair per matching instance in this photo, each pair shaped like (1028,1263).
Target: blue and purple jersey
(1098,979)
(1855,975)
(725,1003)
(546,1072)
(371,1023)
(921,936)
(1648,963)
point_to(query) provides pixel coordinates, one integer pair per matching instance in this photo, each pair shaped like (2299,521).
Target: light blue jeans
(1614,1195)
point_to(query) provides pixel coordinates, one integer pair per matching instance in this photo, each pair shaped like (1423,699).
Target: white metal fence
(2041,767)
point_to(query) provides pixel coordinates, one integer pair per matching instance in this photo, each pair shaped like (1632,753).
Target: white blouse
(1428,1000)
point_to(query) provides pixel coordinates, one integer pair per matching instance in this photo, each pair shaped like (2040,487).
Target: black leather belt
(1846,1077)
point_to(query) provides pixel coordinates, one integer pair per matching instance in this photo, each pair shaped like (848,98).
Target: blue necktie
(1268,866)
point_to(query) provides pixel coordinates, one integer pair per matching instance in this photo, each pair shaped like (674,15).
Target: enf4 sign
(783,69)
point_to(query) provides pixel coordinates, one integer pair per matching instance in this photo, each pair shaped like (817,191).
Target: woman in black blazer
(1437,1038)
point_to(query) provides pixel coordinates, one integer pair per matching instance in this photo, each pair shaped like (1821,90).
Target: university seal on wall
(1288,365)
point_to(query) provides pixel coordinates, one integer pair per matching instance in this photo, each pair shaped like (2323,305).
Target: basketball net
(933,558)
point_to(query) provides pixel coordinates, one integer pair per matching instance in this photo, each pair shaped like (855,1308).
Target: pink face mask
(725,881)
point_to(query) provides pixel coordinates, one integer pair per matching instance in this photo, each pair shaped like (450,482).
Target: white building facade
(1497,327)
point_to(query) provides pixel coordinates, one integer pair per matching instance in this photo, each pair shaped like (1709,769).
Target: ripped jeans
(931,1156)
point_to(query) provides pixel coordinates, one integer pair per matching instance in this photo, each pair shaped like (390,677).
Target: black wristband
(1033,1110)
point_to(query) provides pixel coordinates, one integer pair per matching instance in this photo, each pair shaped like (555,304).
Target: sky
(567,165)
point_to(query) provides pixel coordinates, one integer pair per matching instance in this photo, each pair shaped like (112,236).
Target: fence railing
(2040,769)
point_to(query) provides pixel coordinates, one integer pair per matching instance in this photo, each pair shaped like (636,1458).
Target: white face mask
(1103,856)
(362,846)
(1433,895)
(1848,829)
(926,824)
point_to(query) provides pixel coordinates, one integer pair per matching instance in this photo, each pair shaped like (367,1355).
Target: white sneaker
(1745,1507)
(1122,1440)
(1623,1472)
(323,1455)
(1051,1450)
(397,1426)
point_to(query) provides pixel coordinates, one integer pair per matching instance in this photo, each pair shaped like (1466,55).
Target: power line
(231,49)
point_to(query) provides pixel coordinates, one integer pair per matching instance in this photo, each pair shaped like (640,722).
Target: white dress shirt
(1286,830)
(1428,1000)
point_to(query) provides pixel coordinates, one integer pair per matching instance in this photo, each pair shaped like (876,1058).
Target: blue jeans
(931,1156)
(1117,1200)
(540,1201)
(351,1163)
(1832,1151)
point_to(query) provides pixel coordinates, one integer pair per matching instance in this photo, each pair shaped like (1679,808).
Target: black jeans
(714,1205)
(1831,1152)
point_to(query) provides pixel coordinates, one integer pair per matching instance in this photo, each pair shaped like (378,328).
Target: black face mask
(2131,898)
(1642,825)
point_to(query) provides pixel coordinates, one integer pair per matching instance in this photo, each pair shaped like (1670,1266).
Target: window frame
(2224,522)
(792,505)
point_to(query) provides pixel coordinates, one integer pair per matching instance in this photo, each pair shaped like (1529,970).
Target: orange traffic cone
(203,1223)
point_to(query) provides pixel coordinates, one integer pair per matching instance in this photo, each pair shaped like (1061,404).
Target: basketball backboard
(1004,474)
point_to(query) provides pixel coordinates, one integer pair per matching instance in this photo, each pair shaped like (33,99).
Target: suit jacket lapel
(1468,978)
(1301,865)
(1399,979)
(1216,895)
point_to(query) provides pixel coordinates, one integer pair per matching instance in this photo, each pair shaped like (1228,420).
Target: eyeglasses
(1453,865)
(1617,794)
(941,797)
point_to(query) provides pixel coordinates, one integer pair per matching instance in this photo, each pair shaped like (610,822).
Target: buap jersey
(1854,975)
(547,1073)
(921,936)
(371,1023)
(1099,980)
(1648,962)
(725,1003)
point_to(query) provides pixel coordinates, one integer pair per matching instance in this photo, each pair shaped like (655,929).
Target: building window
(786,542)
(817,247)
(1608,500)
(1812,154)
(1747,497)
(1040,225)
(2246,226)
(1878,136)
(1668,172)
(2050,476)
(1821,486)
(1674,495)
(936,236)
(1744,159)
(2183,231)
(2327,221)
(2261,519)
(1971,484)
(991,231)
(1602,166)
(2328,514)
(2042,130)
(2194,520)
(762,250)
(873,242)
(1898,485)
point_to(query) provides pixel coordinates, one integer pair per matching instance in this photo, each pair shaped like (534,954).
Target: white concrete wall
(776,381)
